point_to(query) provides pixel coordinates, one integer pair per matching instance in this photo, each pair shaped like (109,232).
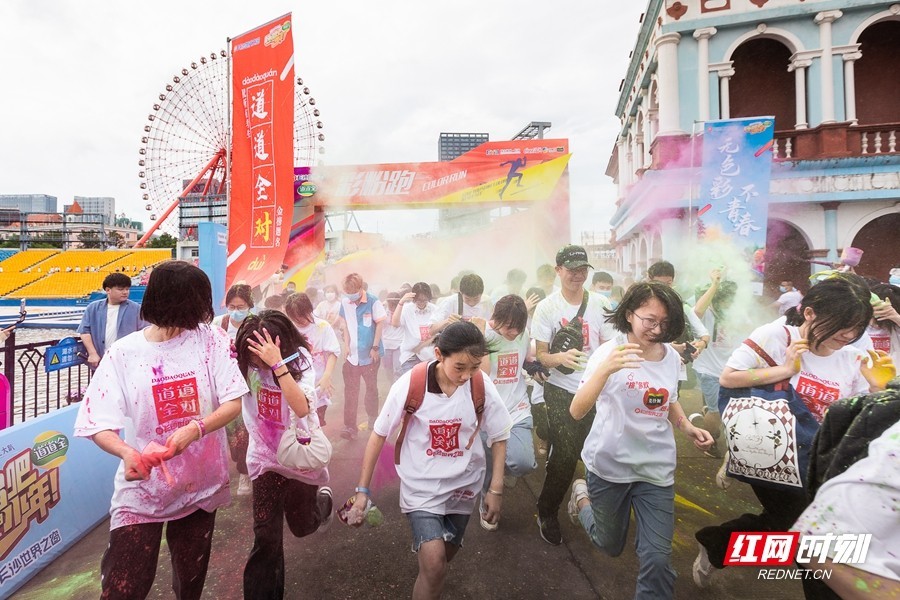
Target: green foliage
(163,241)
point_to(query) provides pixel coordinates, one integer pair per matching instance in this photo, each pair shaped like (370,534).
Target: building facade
(105,206)
(823,68)
(29,203)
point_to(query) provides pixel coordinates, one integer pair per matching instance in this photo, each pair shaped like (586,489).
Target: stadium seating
(20,261)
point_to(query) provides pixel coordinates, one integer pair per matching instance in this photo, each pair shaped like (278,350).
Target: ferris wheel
(185,138)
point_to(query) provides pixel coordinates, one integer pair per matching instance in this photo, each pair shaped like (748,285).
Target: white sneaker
(696,419)
(244,486)
(702,570)
(486,525)
(722,479)
(325,504)
(579,492)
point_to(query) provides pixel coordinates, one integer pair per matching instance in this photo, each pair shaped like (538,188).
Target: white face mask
(330,296)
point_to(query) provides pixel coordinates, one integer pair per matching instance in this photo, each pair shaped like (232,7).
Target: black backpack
(570,335)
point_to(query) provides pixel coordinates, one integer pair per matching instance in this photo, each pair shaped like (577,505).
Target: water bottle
(372,518)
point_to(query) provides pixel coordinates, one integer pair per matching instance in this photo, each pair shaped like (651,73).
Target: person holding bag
(276,362)
(805,365)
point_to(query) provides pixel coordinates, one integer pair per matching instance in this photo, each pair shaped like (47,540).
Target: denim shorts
(709,385)
(428,526)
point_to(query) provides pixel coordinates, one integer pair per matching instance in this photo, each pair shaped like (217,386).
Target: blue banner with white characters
(734,189)
(213,243)
(53,490)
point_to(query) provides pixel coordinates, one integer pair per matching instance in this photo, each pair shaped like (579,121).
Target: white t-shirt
(232,326)
(712,360)
(328,310)
(416,325)
(788,300)
(863,499)
(324,342)
(886,340)
(267,415)
(149,390)
(698,328)
(822,379)
(554,311)
(442,463)
(112,325)
(631,438)
(507,358)
(450,306)
(391,336)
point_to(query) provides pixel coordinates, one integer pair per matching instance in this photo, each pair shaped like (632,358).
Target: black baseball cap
(572,257)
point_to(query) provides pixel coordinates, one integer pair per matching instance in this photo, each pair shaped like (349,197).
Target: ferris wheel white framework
(186,138)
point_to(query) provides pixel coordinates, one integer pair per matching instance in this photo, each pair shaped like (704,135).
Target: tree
(163,241)
(115,239)
(89,239)
(10,242)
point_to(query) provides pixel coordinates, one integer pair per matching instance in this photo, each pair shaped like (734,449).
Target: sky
(80,78)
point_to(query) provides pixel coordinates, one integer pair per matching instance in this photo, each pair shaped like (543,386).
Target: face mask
(614,304)
(330,296)
(238,315)
(353,297)
(894,280)
(781,288)
(606,293)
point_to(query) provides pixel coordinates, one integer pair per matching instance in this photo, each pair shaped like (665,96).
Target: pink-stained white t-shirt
(507,358)
(150,389)
(438,472)
(821,381)
(267,416)
(324,343)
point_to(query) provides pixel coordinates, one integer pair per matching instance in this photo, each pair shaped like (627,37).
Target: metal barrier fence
(34,391)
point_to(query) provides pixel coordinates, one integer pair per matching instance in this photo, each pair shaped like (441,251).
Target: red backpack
(417,384)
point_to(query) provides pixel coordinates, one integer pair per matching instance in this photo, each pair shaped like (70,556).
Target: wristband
(285,361)
(490,491)
(201,428)
(363,490)
(282,375)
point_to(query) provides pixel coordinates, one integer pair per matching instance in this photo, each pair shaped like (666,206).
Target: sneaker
(244,486)
(542,447)
(486,525)
(510,481)
(722,479)
(579,491)
(348,433)
(713,451)
(696,419)
(325,503)
(703,569)
(550,532)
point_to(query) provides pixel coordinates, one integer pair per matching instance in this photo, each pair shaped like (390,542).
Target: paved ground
(511,563)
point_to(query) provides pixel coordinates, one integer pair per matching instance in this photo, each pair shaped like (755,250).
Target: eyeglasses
(651,323)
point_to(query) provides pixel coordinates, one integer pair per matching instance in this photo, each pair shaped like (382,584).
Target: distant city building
(29,202)
(451,145)
(105,206)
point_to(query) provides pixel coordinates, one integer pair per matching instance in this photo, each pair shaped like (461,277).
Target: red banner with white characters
(262,158)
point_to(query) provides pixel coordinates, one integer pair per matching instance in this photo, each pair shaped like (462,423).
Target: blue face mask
(614,304)
(894,280)
(606,293)
(238,315)
(781,288)
(353,297)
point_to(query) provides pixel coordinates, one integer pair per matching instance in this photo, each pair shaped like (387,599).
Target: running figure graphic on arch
(514,165)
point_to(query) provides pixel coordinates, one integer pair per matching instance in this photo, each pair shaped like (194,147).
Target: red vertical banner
(262,156)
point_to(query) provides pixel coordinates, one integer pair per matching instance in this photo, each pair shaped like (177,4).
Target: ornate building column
(725,76)
(799,66)
(831,230)
(824,21)
(850,86)
(702,36)
(667,71)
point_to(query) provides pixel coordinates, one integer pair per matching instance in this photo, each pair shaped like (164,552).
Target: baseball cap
(572,257)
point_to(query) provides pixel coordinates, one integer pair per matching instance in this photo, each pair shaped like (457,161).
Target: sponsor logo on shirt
(817,394)
(176,400)
(268,403)
(507,368)
(424,332)
(881,342)
(444,438)
(656,400)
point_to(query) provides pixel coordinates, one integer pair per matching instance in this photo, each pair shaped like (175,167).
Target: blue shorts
(428,526)
(709,385)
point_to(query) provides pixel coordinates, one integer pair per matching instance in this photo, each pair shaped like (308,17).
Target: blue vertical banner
(213,242)
(734,189)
